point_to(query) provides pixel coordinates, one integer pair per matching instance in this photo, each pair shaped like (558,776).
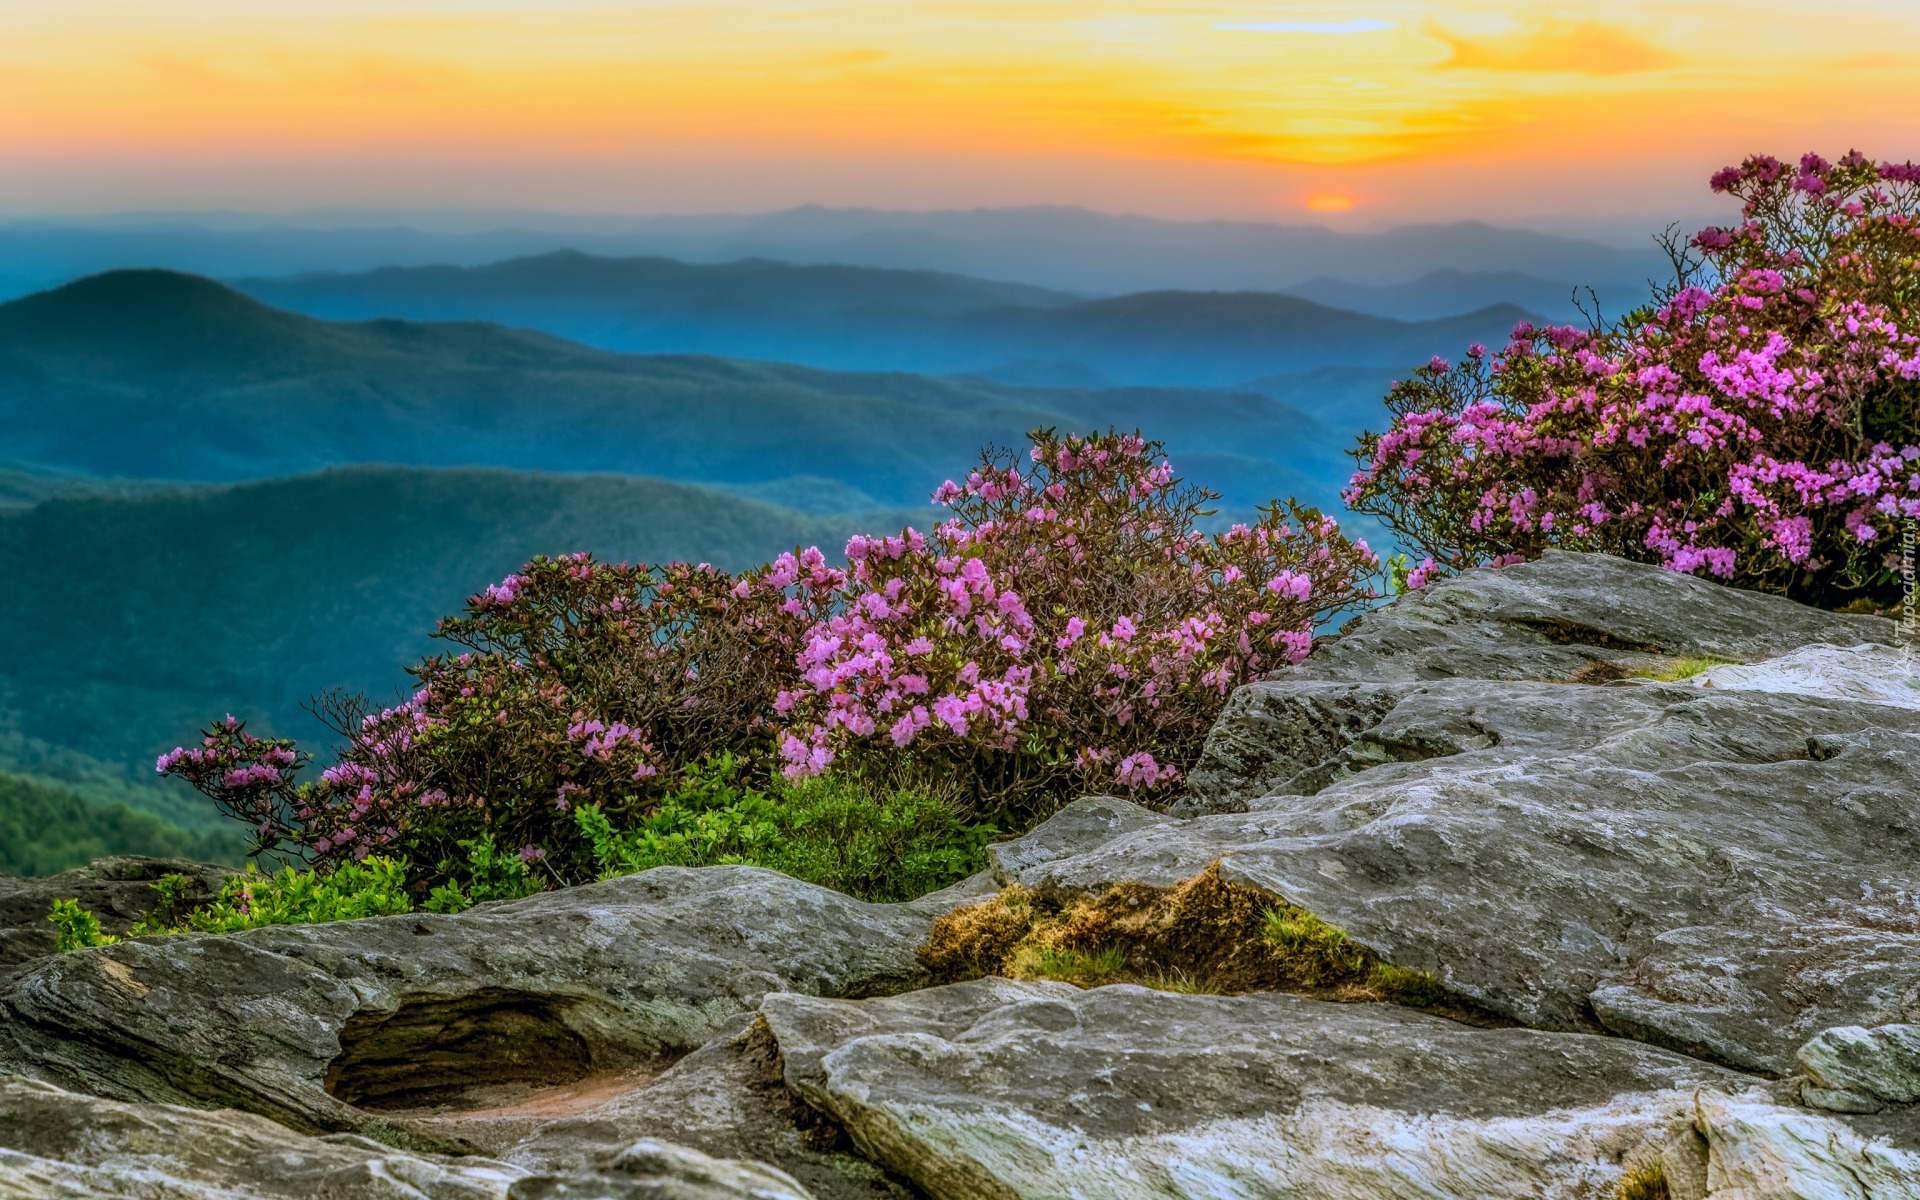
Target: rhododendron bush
(1759,422)
(1066,628)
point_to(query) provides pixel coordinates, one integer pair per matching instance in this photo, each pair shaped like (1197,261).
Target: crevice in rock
(433,1050)
(1571,633)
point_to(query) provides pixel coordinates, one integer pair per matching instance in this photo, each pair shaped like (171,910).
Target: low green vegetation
(47,829)
(879,845)
(78,927)
(889,847)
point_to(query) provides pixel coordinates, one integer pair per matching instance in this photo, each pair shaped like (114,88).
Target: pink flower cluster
(1759,422)
(1066,618)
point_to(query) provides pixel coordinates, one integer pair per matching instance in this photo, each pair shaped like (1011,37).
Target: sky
(1347,115)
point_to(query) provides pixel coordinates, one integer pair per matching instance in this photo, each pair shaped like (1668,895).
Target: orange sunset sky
(1355,114)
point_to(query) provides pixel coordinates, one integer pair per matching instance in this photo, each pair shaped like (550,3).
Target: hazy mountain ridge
(150,374)
(847,318)
(1060,248)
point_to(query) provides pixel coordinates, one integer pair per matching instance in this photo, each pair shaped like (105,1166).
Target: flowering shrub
(1067,627)
(1760,421)
(579,681)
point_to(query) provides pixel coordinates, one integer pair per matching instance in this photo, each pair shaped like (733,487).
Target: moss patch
(1683,668)
(1200,935)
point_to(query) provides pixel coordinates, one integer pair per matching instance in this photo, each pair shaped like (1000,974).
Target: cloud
(1357,25)
(1588,48)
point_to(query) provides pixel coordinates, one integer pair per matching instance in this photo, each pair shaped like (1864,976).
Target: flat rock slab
(1549,618)
(728,1098)
(996,1089)
(316,1025)
(1875,674)
(60,1143)
(117,890)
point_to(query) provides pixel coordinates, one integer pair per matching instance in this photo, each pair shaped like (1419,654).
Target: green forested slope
(130,621)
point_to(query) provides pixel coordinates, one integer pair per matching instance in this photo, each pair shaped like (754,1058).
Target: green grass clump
(1311,949)
(880,846)
(1089,968)
(1683,668)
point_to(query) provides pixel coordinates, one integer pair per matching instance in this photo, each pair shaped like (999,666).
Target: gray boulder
(321,1026)
(1555,616)
(1563,618)
(728,1098)
(1851,1069)
(117,890)
(1724,872)
(996,1089)
(60,1143)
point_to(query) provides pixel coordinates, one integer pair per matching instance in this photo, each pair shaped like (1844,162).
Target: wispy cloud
(1586,48)
(1356,25)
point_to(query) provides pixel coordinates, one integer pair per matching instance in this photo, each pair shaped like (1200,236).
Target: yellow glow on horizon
(1329,202)
(374,82)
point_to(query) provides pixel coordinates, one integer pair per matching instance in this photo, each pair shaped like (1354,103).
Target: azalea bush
(576,683)
(1066,628)
(1759,422)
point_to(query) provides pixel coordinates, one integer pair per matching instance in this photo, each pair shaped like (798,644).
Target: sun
(1329,202)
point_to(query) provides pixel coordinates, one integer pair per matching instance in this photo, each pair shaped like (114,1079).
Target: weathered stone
(655,1170)
(730,1097)
(1874,674)
(315,1026)
(1551,618)
(1881,1063)
(1080,826)
(1725,872)
(1761,1151)
(996,1089)
(60,1143)
(118,890)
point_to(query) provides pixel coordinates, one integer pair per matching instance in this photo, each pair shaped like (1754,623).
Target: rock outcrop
(1723,872)
(994,1089)
(118,891)
(1691,896)
(58,1143)
(318,1026)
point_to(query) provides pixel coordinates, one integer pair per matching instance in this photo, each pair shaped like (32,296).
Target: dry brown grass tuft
(1645,1182)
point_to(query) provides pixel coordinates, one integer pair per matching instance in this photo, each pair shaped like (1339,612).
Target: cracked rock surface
(994,1089)
(319,1026)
